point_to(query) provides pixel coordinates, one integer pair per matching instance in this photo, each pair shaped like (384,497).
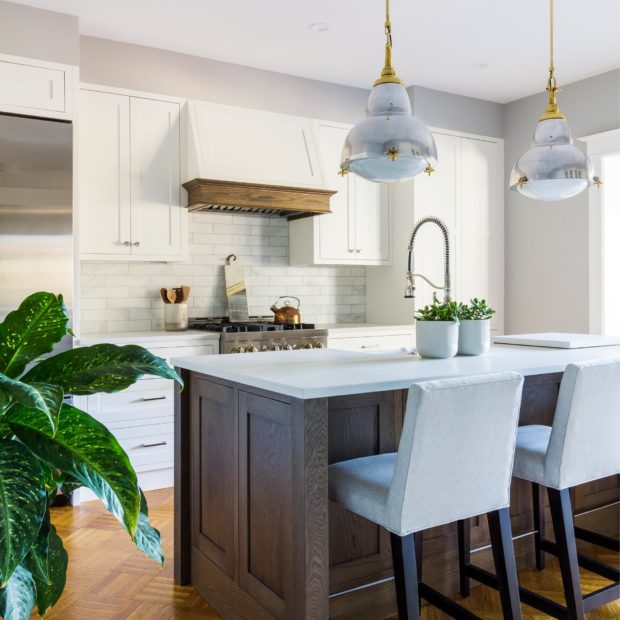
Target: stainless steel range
(260,333)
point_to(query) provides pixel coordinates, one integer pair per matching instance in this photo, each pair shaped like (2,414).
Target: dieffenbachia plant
(47,445)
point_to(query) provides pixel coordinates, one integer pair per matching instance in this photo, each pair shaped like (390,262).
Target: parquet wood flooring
(108,579)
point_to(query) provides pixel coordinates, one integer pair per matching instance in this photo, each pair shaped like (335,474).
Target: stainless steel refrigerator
(36,209)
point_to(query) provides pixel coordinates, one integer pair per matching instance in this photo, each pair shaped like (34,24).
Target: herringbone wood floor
(109,580)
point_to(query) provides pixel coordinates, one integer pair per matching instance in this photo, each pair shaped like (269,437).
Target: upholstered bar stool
(454,461)
(583,445)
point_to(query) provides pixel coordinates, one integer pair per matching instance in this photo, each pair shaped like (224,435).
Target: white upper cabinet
(465,192)
(129,178)
(38,88)
(239,144)
(357,232)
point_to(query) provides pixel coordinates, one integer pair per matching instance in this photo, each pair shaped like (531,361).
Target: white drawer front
(372,343)
(138,434)
(169,352)
(149,394)
(26,86)
(150,451)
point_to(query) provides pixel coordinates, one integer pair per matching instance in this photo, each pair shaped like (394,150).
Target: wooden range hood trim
(256,198)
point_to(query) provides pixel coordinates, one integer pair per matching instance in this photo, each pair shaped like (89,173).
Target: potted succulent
(475,327)
(48,445)
(437,330)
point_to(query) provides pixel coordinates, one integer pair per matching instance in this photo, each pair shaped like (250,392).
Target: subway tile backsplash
(124,296)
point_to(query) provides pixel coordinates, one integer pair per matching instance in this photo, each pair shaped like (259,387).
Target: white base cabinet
(142,416)
(129,178)
(357,232)
(466,192)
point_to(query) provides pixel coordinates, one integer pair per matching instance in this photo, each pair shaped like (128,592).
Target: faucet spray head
(410,286)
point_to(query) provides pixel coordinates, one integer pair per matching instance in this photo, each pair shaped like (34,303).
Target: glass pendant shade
(553,168)
(389,145)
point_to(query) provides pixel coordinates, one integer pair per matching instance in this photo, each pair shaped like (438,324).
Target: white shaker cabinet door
(480,265)
(337,229)
(155,186)
(436,195)
(104,175)
(25,87)
(372,221)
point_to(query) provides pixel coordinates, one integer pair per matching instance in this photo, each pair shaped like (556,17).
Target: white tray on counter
(558,340)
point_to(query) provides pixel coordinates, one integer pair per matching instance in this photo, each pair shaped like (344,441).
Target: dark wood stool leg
(405,576)
(538,504)
(464,543)
(563,527)
(418,541)
(505,565)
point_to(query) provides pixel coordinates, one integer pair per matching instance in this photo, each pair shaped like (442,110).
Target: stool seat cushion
(530,453)
(362,485)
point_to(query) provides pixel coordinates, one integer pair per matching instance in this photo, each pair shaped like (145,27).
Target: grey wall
(444,110)
(34,33)
(547,254)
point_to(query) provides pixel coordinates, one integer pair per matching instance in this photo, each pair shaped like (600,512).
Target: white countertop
(320,373)
(145,337)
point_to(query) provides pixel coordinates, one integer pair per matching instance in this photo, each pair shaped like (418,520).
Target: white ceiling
(440,44)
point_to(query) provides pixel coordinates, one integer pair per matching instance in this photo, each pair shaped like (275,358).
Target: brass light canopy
(553,168)
(389,145)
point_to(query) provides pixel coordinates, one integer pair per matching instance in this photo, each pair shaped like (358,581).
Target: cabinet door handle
(126,244)
(350,250)
(146,400)
(369,346)
(137,244)
(153,445)
(357,251)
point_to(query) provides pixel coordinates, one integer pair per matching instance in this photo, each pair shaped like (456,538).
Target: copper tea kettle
(286,314)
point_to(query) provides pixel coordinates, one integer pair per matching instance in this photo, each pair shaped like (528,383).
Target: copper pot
(286,314)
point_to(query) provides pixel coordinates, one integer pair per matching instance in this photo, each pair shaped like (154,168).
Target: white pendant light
(553,168)
(390,144)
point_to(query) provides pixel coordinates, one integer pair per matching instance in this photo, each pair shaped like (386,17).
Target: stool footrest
(600,568)
(605,595)
(448,606)
(544,604)
(597,539)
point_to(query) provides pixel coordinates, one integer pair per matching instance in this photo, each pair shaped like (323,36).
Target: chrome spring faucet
(410,284)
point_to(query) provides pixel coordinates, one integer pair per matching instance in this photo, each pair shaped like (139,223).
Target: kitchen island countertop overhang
(324,373)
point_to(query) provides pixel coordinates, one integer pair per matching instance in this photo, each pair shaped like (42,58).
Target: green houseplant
(475,327)
(47,444)
(437,329)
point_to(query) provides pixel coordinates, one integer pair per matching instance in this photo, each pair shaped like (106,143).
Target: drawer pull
(152,445)
(369,346)
(146,400)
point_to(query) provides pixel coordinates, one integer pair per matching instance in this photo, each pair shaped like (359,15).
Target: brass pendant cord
(388,74)
(552,110)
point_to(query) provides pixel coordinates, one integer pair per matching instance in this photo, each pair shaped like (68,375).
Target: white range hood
(249,161)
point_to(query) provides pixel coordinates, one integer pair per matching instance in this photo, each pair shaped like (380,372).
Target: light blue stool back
(456,451)
(585,438)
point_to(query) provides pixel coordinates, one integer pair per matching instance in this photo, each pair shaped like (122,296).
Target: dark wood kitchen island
(255,532)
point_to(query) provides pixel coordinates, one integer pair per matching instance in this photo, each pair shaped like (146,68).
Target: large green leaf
(147,538)
(23,503)
(100,368)
(18,597)
(36,560)
(86,450)
(48,592)
(43,396)
(33,329)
